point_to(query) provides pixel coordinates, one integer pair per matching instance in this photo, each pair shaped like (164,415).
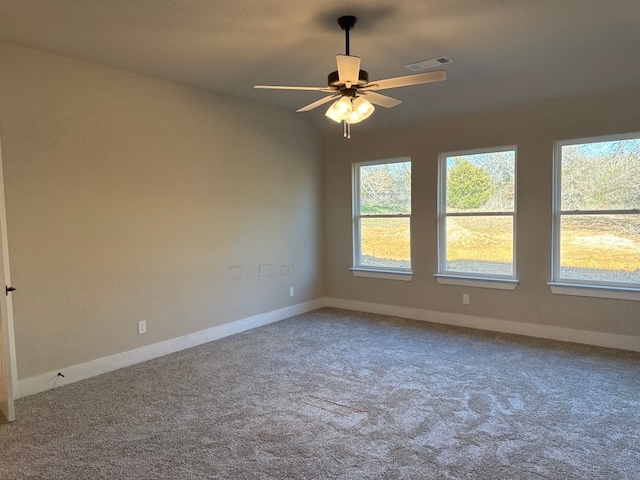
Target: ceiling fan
(351,89)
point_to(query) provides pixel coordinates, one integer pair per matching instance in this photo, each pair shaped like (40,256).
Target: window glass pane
(483,182)
(385,242)
(385,189)
(480,245)
(600,248)
(601,175)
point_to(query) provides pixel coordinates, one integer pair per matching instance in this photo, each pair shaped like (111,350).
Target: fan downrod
(346,23)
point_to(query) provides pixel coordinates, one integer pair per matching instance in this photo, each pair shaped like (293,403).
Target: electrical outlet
(291,291)
(142,327)
(466,298)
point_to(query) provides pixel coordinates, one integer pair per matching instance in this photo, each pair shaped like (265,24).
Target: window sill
(581,290)
(382,274)
(479,282)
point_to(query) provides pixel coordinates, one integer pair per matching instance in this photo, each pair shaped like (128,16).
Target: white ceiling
(506,52)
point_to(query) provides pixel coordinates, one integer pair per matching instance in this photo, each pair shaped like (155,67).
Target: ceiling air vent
(426,64)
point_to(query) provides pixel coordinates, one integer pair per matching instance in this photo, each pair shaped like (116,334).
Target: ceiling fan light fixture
(363,107)
(343,108)
(351,84)
(331,113)
(354,117)
(340,110)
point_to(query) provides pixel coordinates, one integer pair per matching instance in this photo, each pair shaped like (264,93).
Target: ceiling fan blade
(348,69)
(381,100)
(417,79)
(286,87)
(317,103)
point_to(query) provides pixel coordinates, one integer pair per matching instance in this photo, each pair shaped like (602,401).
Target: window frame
(473,279)
(583,287)
(358,269)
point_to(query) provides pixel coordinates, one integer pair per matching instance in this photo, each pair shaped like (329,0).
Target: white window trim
(478,282)
(404,275)
(359,270)
(447,277)
(583,288)
(599,291)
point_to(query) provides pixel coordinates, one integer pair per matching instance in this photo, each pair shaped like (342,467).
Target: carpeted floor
(338,394)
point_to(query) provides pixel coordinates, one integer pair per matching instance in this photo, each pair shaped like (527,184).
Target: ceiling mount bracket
(347,22)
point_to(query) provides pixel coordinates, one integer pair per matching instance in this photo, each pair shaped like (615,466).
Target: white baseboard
(75,373)
(550,332)
(47,381)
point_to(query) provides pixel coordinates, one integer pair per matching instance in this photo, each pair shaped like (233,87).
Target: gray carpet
(337,394)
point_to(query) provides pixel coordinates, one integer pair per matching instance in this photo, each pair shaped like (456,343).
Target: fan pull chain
(346,129)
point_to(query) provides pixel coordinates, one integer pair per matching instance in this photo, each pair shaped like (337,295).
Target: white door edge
(8,348)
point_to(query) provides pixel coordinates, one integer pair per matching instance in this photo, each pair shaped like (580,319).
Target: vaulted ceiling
(505,52)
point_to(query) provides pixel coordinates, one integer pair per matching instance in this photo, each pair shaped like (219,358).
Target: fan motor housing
(333,79)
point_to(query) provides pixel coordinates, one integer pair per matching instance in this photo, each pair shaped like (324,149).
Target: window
(596,221)
(476,218)
(382,218)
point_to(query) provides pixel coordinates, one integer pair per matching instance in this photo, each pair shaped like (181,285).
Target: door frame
(8,348)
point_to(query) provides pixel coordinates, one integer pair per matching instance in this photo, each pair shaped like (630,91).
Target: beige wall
(533,130)
(128,199)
